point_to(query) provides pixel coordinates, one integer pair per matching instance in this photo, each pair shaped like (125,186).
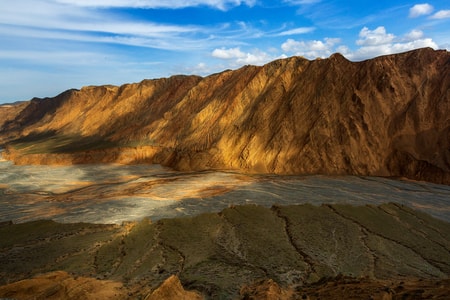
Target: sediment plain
(231,254)
(201,240)
(114,193)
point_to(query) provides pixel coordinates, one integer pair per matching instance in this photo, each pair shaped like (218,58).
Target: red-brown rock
(388,116)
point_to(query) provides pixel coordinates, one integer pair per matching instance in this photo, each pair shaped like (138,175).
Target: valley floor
(300,251)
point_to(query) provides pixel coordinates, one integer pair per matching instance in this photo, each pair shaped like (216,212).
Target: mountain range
(387,116)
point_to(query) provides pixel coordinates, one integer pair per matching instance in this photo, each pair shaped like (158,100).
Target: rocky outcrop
(248,251)
(61,285)
(388,116)
(266,290)
(121,155)
(170,289)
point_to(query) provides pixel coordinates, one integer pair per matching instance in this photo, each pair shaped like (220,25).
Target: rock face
(388,116)
(255,252)
(170,289)
(60,285)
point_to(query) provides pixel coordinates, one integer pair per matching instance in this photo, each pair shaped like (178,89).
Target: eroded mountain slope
(388,116)
(299,248)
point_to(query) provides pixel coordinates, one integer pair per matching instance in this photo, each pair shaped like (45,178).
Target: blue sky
(48,46)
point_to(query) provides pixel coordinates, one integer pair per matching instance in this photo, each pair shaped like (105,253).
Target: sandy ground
(111,193)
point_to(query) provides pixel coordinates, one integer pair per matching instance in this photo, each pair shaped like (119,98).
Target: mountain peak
(338,56)
(387,116)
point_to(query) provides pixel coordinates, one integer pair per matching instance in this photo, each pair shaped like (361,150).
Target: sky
(49,46)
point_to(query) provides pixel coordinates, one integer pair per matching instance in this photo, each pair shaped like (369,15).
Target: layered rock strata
(388,116)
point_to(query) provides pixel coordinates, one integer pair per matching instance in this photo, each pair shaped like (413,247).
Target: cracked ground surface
(216,254)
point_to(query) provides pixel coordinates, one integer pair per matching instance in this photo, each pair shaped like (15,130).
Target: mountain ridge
(387,116)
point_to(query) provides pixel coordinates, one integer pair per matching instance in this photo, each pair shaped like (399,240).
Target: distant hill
(387,116)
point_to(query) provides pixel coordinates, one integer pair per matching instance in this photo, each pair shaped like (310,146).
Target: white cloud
(374,37)
(442,14)
(300,30)
(420,43)
(378,42)
(174,4)
(257,57)
(344,50)
(60,17)
(420,10)
(237,57)
(312,48)
(414,35)
(51,20)
(230,53)
(371,43)
(69,20)
(201,69)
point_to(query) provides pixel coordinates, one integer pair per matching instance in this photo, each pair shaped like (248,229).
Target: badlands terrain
(283,252)
(350,160)
(388,116)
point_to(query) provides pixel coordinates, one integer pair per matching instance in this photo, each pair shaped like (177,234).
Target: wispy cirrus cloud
(68,58)
(57,17)
(171,4)
(300,30)
(81,21)
(60,21)
(301,2)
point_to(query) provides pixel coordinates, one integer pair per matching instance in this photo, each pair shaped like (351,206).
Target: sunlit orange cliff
(388,116)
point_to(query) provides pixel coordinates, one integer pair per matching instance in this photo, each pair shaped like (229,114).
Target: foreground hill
(286,252)
(388,116)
